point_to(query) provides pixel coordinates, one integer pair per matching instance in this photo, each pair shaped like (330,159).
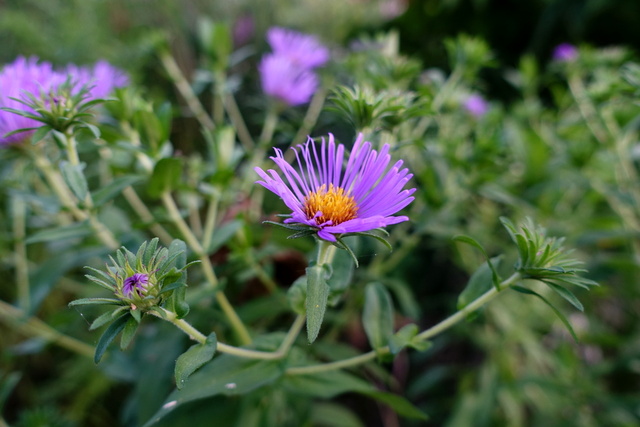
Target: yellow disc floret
(335,204)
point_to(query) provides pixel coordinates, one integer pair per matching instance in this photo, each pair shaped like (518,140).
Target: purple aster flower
(23,75)
(476,105)
(362,197)
(565,52)
(30,76)
(138,282)
(302,49)
(286,81)
(102,78)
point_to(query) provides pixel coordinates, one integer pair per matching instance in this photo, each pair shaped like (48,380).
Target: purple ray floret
(138,282)
(335,199)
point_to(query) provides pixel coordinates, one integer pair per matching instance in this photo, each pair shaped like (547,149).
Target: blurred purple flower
(243,30)
(362,197)
(286,81)
(27,75)
(565,52)
(302,49)
(102,78)
(476,105)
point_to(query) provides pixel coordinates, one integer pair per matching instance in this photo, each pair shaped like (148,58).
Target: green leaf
(480,282)
(128,332)
(378,315)
(317,297)
(40,133)
(224,375)
(114,188)
(325,385)
(555,310)
(399,404)
(109,335)
(196,356)
(82,229)
(473,242)
(165,177)
(106,318)
(566,294)
(74,177)
(222,235)
(341,276)
(403,338)
(297,295)
(94,301)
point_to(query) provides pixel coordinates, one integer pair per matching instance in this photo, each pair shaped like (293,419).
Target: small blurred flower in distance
(476,105)
(565,52)
(332,199)
(39,78)
(244,29)
(285,81)
(304,50)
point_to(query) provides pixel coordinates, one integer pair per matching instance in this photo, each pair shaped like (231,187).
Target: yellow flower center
(335,204)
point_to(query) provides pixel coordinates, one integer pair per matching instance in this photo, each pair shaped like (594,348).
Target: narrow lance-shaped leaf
(196,356)
(317,296)
(109,335)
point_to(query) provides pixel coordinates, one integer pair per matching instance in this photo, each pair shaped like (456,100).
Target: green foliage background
(534,154)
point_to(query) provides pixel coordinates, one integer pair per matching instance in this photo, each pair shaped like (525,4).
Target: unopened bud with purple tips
(138,283)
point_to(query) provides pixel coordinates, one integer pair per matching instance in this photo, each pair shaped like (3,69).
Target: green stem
(311,116)
(198,336)
(326,252)
(145,215)
(210,221)
(238,122)
(32,326)
(183,86)
(20,252)
(235,321)
(431,332)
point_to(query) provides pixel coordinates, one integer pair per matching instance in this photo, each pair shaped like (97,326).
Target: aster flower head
(27,85)
(330,199)
(304,50)
(286,81)
(143,280)
(476,105)
(565,52)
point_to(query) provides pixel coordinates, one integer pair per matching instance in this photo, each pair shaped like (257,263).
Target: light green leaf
(114,188)
(402,338)
(561,316)
(378,315)
(196,356)
(317,296)
(74,177)
(480,282)
(297,295)
(473,242)
(61,233)
(94,301)
(398,403)
(128,332)
(566,294)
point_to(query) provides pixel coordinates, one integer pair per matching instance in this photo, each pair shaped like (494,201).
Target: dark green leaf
(224,375)
(106,318)
(317,296)
(39,134)
(109,335)
(196,356)
(378,315)
(128,332)
(94,301)
(165,177)
(399,404)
